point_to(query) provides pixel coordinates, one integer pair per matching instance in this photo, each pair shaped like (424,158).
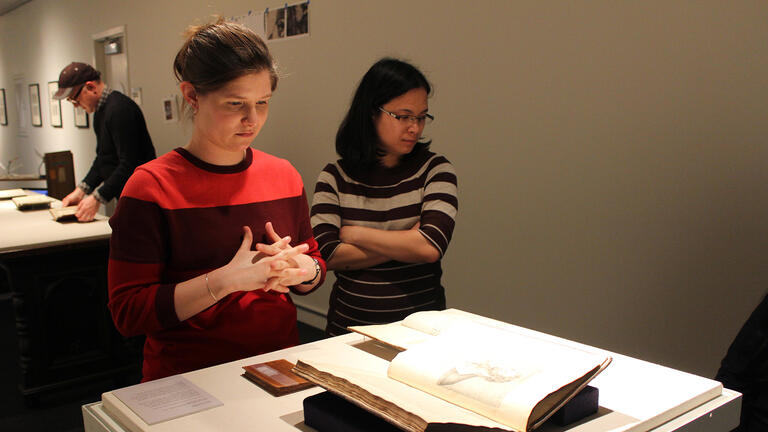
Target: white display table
(35,229)
(634,396)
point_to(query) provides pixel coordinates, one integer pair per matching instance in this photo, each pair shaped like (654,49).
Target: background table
(21,177)
(57,273)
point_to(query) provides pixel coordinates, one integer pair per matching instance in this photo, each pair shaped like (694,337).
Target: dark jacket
(745,369)
(122,144)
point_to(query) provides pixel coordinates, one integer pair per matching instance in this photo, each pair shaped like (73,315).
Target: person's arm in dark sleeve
(127,130)
(93,178)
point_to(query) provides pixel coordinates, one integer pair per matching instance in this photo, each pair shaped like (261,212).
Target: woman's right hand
(250,270)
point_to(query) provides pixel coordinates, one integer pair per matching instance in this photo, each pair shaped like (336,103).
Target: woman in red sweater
(196,262)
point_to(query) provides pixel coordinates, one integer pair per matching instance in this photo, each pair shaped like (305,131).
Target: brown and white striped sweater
(422,188)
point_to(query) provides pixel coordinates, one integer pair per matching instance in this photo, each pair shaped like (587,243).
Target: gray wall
(611,155)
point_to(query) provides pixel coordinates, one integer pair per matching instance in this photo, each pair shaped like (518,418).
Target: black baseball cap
(73,77)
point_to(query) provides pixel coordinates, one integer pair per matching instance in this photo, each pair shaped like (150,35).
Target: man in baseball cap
(73,78)
(122,139)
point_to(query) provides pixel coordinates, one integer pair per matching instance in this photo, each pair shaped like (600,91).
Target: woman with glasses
(383,214)
(184,266)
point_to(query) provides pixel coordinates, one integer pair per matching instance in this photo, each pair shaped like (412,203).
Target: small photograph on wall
(297,19)
(81,118)
(34,105)
(275,23)
(54,104)
(3,113)
(170,111)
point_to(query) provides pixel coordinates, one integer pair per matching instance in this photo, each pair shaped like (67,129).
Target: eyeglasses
(73,99)
(409,119)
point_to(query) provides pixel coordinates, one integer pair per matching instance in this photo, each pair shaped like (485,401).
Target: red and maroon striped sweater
(179,217)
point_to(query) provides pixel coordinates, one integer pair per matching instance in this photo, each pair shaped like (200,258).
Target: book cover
(11,193)
(62,214)
(276,377)
(32,202)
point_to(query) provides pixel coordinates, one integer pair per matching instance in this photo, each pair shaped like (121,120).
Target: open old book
(62,214)
(456,367)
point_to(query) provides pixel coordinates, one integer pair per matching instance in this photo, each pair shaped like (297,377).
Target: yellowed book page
(497,373)
(414,329)
(434,322)
(394,334)
(370,373)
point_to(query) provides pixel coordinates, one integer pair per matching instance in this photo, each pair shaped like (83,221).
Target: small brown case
(276,377)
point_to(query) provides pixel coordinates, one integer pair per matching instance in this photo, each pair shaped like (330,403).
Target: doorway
(111,58)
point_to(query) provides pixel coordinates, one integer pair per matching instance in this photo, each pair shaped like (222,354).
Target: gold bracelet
(215,300)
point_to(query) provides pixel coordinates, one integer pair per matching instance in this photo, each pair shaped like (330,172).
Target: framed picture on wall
(54,104)
(3,114)
(170,111)
(34,105)
(81,117)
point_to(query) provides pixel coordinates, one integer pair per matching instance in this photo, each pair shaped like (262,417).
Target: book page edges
(362,398)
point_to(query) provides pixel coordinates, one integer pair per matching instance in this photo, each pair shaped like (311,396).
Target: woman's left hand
(295,274)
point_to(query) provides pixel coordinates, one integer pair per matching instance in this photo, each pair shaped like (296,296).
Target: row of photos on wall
(288,21)
(81,117)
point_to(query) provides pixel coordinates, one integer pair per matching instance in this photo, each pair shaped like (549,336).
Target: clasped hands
(271,267)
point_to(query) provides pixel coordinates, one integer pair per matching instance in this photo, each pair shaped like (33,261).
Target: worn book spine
(357,395)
